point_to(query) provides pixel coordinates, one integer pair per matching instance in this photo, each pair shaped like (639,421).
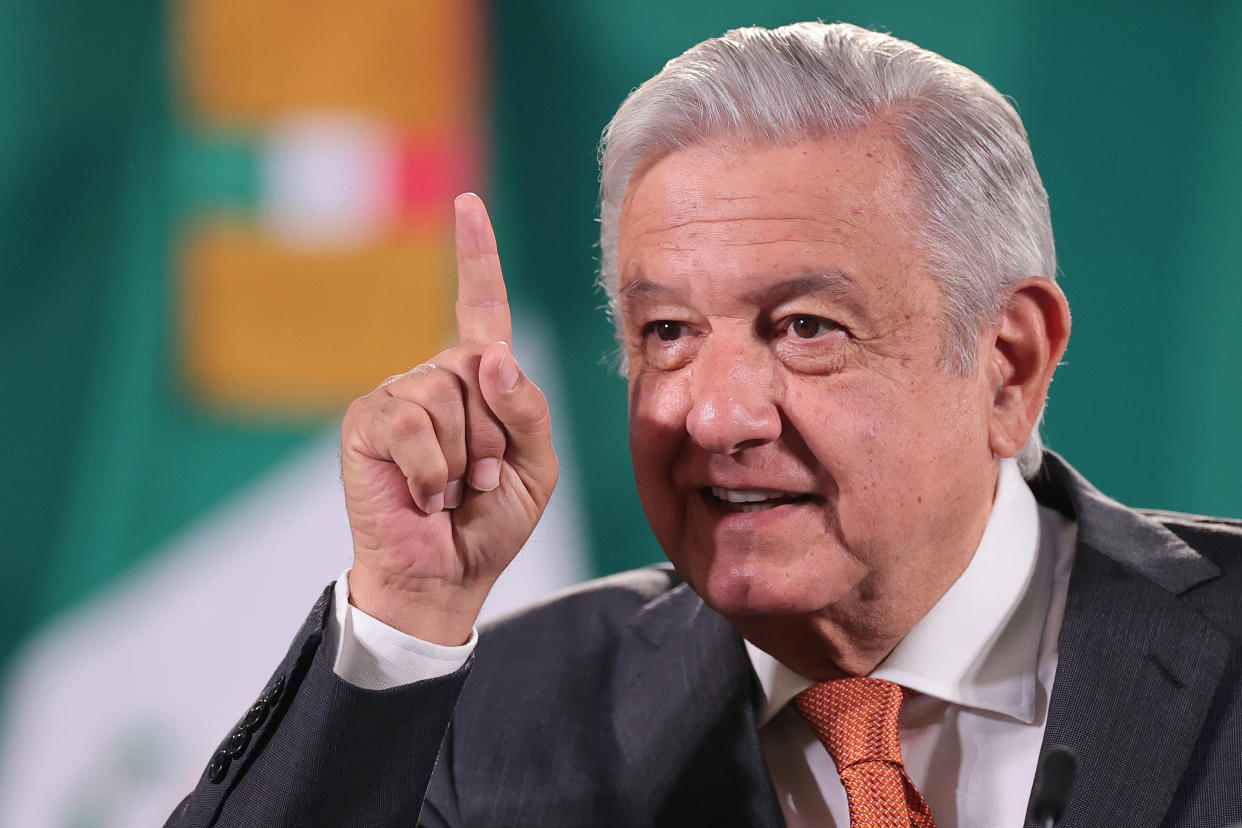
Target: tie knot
(855,718)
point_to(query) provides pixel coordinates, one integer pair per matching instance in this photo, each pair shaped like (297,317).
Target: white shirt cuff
(370,654)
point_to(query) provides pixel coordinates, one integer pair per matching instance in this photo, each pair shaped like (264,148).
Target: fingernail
(485,475)
(434,503)
(508,369)
(452,494)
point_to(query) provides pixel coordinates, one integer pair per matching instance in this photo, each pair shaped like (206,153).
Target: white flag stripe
(327,181)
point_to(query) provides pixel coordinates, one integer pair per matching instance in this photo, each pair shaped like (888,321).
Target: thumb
(520,407)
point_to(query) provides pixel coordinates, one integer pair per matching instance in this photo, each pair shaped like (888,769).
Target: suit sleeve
(315,750)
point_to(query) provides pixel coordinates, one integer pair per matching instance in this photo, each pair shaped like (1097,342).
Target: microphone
(1053,785)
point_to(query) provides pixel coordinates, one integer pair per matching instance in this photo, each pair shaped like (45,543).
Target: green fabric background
(1134,111)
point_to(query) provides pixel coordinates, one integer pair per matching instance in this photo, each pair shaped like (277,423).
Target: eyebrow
(646,289)
(833,283)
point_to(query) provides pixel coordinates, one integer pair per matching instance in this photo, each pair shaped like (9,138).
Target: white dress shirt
(982,661)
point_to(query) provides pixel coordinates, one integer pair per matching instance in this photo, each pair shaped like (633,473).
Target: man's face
(797,445)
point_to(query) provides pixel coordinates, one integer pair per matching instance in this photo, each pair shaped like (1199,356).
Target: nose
(734,400)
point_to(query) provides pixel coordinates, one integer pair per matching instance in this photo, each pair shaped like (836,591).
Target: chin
(747,589)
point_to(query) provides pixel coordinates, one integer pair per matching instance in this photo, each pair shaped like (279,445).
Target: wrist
(429,609)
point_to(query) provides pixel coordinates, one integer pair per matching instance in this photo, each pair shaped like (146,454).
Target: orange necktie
(856,719)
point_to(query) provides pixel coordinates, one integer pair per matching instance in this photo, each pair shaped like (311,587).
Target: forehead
(712,213)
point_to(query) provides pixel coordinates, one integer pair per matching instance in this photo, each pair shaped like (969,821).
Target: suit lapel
(710,769)
(1136,668)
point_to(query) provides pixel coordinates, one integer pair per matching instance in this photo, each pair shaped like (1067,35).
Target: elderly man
(831,265)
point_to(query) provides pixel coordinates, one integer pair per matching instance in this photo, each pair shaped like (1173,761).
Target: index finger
(482,301)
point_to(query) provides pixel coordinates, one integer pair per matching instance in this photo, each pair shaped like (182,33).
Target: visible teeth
(745,495)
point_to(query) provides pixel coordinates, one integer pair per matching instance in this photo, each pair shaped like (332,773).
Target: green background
(1134,111)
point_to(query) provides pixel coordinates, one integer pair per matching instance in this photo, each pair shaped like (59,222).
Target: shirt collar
(978,646)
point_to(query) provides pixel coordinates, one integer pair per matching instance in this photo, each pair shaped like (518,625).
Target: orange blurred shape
(408,62)
(279,330)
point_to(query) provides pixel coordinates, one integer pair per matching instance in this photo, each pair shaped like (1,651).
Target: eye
(667,330)
(811,344)
(805,326)
(809,327)
(668,344)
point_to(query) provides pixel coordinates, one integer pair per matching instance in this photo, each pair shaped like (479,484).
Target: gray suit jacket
(628,702)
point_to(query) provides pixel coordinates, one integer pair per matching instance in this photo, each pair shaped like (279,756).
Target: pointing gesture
(448,467)
(482,301)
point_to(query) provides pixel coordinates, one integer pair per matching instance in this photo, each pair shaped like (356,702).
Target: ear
(1027,344)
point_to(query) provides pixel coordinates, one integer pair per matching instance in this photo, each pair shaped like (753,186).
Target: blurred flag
(299,232)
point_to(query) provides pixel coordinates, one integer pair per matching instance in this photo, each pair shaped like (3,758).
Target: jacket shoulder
(1225,530)
(1218,540)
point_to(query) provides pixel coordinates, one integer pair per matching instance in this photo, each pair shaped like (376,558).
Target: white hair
(984,213)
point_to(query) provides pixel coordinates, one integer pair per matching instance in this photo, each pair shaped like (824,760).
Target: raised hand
(448,467)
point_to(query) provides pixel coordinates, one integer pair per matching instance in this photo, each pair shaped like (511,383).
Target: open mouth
(749,500)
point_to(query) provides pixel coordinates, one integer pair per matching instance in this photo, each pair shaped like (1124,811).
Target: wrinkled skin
(783,333)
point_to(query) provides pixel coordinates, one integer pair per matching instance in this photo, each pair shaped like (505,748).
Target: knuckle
(404,385)
(541,421)
(484,303)
(539,404)
(353,411)
(442,389)
(433,382)
(454,357)
(533,414)
(404,422)
(356,415)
